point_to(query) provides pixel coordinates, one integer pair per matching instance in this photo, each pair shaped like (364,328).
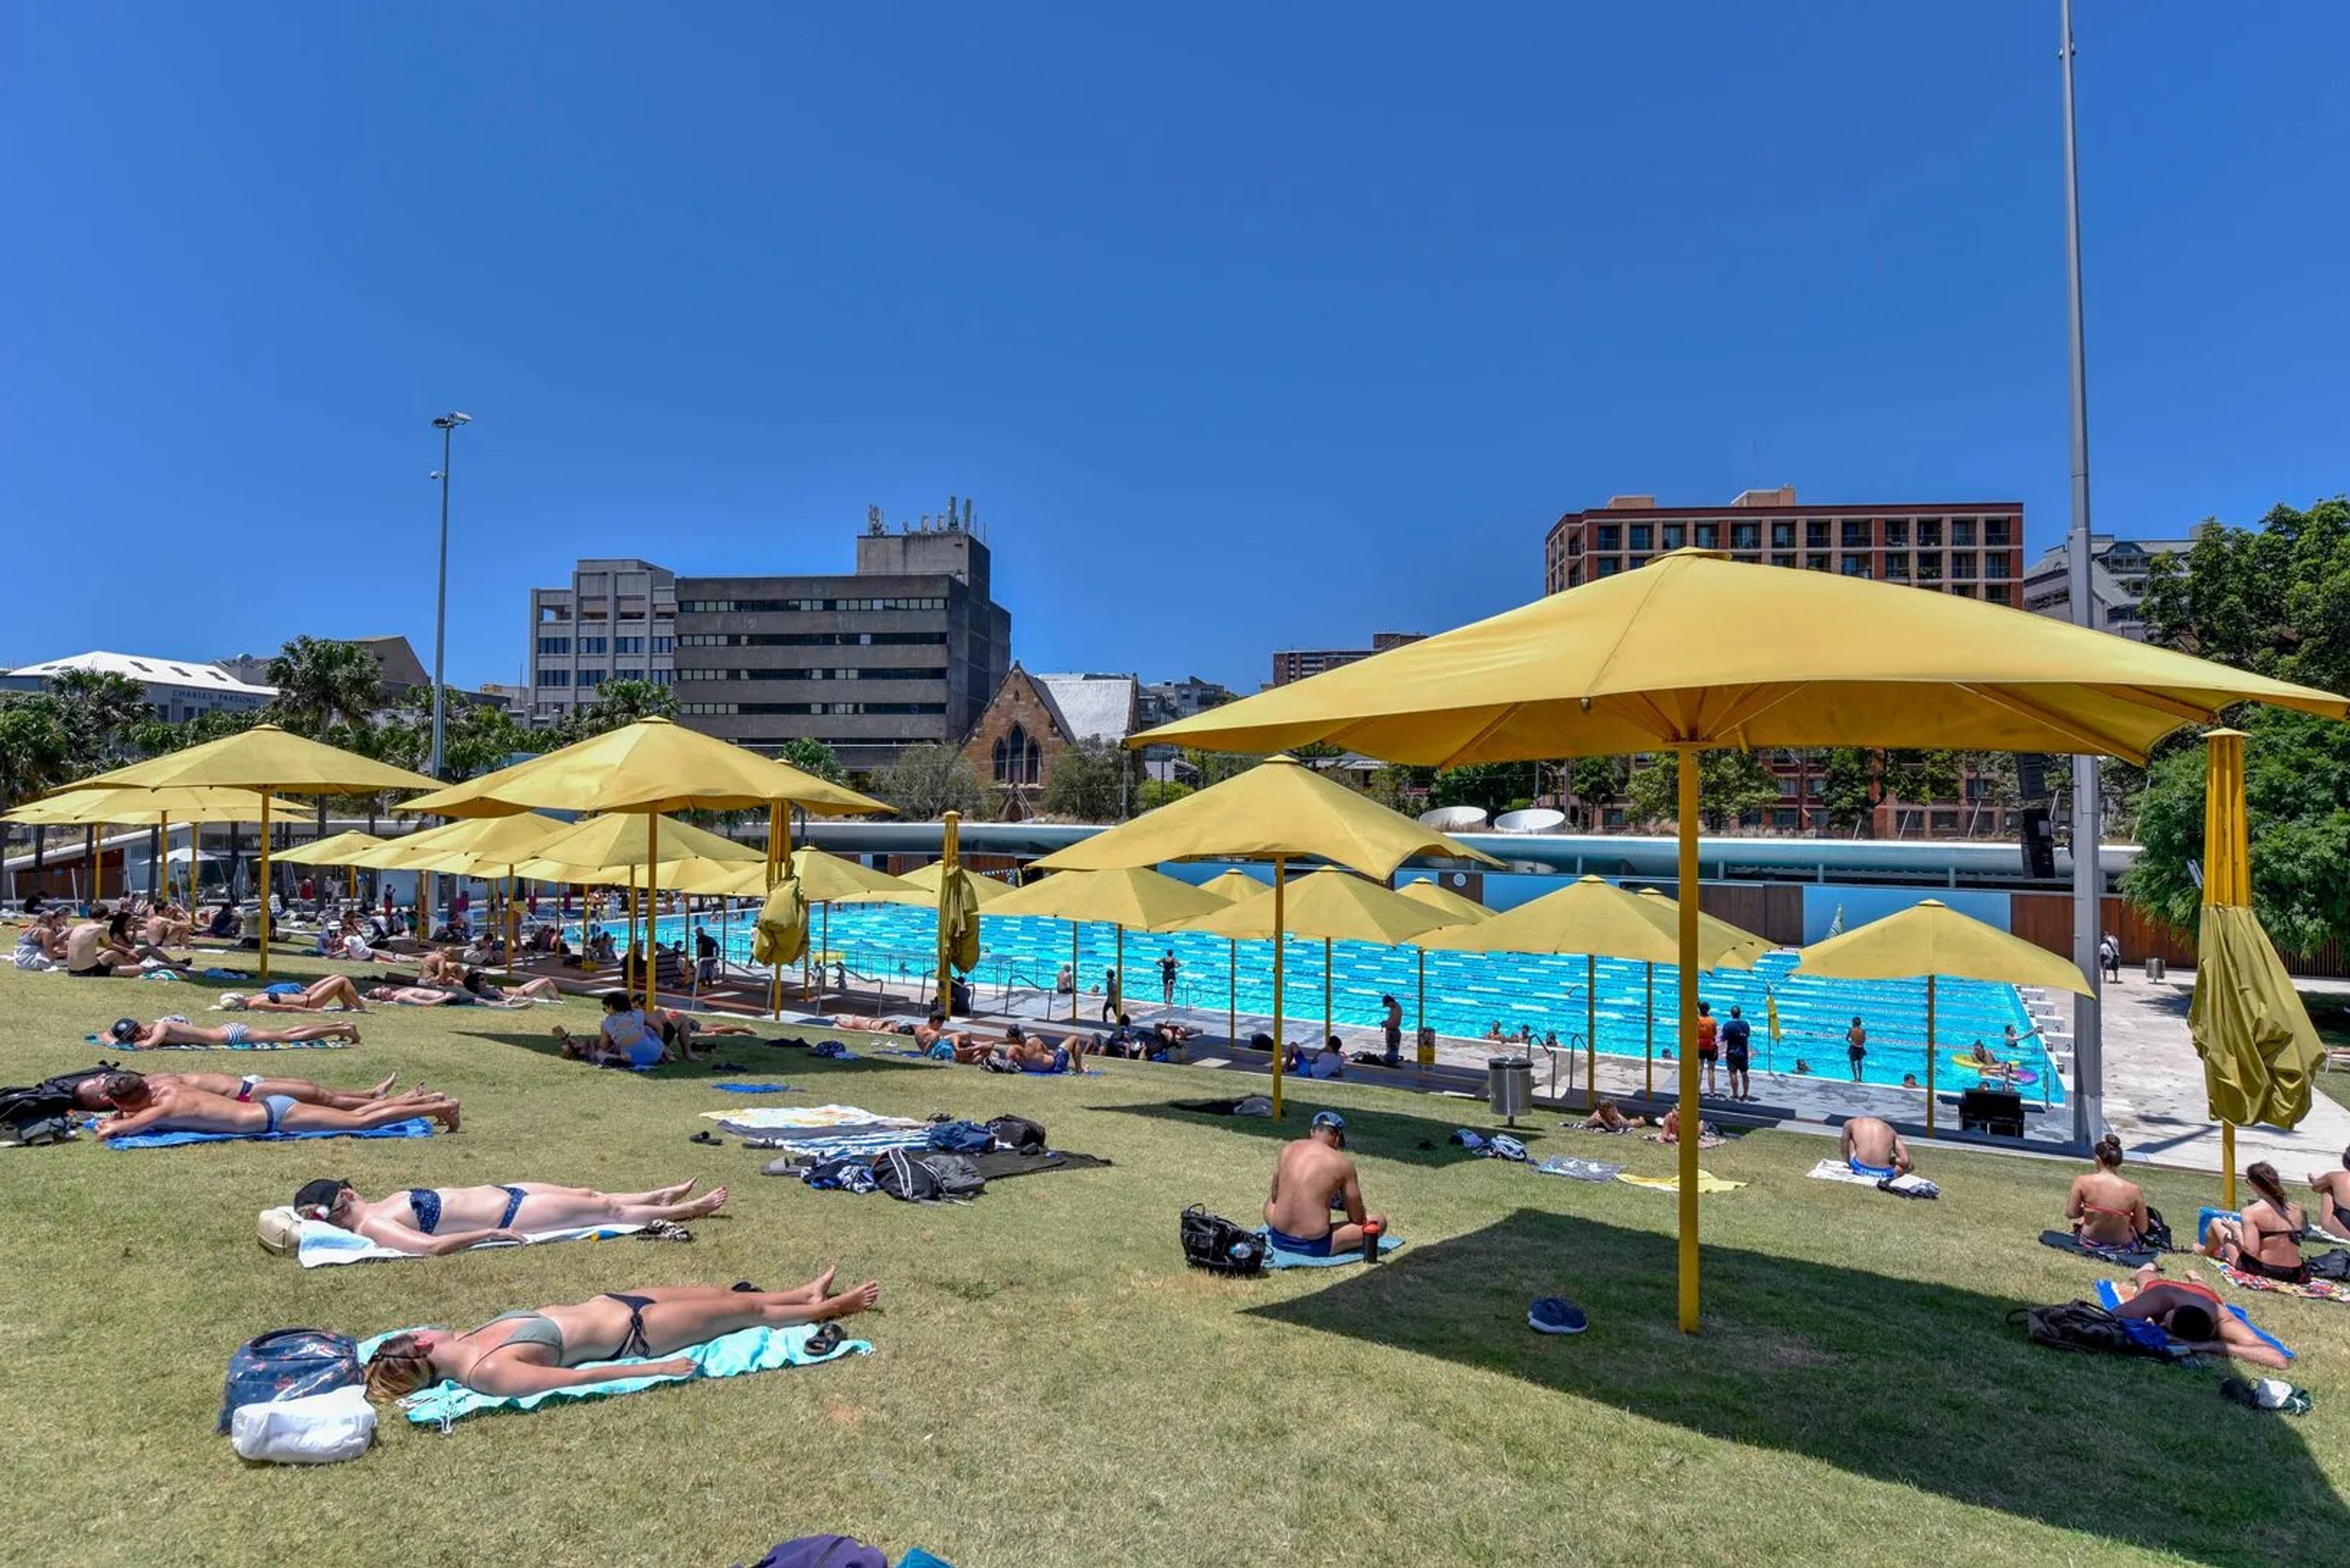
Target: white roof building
(180,688)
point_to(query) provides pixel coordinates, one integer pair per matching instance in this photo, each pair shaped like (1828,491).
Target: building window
(1745,535)
(1897,565)
(1855,565)
(591,678)
(1930,568)
(549,675)
(1017,760)
(1644,536)
(627,674)
(1611,537)
(1640,561)
(593,644)
(665,645)
(1784,559)
(1708,535)
(1783,535)
(1995,532)
(1676,535)
(1854,534)
(1815,533)
(1783,819)
(1817,563)
(1962,532)
(1607,566)
(1946,821)
(628,645)
(1930,533)
(1962,565)
(555,645)
(1996,593)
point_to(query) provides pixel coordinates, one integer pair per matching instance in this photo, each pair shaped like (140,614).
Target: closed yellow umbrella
(959,901)
(1279,810)
(1930,939)
(1465,911)
(1637,663)
(1331,905)
(2260,1051)
(263,758)
(1133,897)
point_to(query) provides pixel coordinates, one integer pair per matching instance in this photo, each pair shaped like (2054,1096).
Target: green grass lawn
(1050,1386)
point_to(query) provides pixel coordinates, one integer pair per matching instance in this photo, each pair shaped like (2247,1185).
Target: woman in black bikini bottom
(521,1352)
(2265,1238)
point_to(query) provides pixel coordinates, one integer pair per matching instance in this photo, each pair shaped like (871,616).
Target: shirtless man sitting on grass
(89,1095)
(965,1047)
(160,1106)
(1871,1148)
(1309,1174)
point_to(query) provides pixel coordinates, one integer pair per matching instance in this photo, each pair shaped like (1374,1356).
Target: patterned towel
(414,1126)
(1706,1182)
(2312,1290)
(323,1246)
(104,1043)
(777,1119)
(1581,1169)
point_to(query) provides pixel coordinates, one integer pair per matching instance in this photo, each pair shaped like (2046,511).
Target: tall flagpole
(2088,879)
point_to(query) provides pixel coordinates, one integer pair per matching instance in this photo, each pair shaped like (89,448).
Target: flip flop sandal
(705,1137)
(746,1287)
(664,1231)
(826,1339)
(730,1067)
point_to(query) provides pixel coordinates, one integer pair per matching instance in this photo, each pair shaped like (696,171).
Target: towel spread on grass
(1002,1164)
(104,1043)
(728,1356)
(1905,1186)
(1274,1258)
(2130,1256)
(779,1119)
(1708,1139)
(324,1245)
(2312,1290)
(1706,1182)
(753,1089)
(1581,1169)
(2110,1295)
(414,1126)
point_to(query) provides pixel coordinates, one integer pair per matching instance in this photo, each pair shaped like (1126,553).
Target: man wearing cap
(1313,1176)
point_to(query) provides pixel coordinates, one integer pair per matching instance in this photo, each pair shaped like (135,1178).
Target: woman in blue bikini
(523,1353)
(431,1221)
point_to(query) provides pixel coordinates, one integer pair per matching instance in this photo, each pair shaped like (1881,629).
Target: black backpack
(2158,1231)
(902,1176)
(2086,1326)
(1017,1134)
(1214,1243)
(955,1174)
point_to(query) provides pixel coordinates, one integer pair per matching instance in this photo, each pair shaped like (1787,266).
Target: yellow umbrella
(984,889)
(1464,911)
(1131,897)
(1280,809)
(263,758)
(1930,939)
(336,849)
(196,804)
(485,846)
(1333,905)
(1637,662)
(1233,886)
(592,849)
(2260,1053)
(782,933)
(653,764)
(1741,948)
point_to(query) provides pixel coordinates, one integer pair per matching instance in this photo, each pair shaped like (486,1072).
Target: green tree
(1492,787)
(36,753)
(811,756)
(1400,787)
(1595,782)
(2274,599)
(102,713)
(928,781)
(323,686)
(1087,781)
(1155,792)
(1214,767)
(1730,783)
(618,704)
(1848,787)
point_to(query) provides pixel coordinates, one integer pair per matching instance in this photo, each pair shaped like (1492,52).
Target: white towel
(323,1246)
(1838,1170)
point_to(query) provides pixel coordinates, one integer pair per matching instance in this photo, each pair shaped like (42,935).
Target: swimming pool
(1467,992)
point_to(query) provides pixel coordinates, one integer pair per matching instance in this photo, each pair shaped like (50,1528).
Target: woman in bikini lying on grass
(431,1221)
(522,1352)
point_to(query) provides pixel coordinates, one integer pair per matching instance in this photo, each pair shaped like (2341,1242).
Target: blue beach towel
(415,1127)
(728,1356)
(1274,1258)
(2111,1295)
(104,1043)
(755,1088)
(1581,1169)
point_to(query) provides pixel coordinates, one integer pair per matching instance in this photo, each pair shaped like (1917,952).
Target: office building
(1972,548)
(1296,663)
(616,621)
(2117,579)
(1164,701)
(178,689)
(906,650)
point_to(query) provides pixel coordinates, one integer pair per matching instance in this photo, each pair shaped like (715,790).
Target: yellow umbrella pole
(1326,994)
(163,872)
(1076,982)
(1232,994)
(98,863)
(1930,1056)
(949,858)
(1649,1050)
(779,852)
(630,959)
(1117,991)
(1280,915)
(264,885)
(1420,1024)
(827,937)
(1590,1032)
(653,910)
(1686,1144)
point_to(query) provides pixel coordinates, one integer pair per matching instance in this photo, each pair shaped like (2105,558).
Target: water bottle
(1371,1243)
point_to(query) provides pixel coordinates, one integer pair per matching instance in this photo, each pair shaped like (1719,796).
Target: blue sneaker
(1556,1314)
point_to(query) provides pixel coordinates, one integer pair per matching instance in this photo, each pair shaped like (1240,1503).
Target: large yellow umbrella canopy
(1734,946)
(1464,910)
(653,764)
(136,807)
(1932,939)
(984,889)
(335,850)
(1132,897)
(263,758)
(1639,662)
(2260,1051)
(463,846)
(619,841)
(1233,886)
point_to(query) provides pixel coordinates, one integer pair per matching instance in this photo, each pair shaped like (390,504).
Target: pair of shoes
(705,1137)
(1556,1314)
(826,1339)
(664,1231)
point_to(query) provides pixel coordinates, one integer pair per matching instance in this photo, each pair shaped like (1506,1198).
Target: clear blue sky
(1247,327)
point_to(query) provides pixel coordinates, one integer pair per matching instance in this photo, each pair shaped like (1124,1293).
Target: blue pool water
(1467,992)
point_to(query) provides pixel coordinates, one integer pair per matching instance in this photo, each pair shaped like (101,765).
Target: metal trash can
(2155,969)
(1510,1086)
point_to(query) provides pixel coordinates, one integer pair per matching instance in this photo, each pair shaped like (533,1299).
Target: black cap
(319,1194)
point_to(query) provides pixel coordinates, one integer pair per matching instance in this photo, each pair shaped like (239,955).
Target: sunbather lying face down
(1307,1178)
(2190,1312)
(158,1105)
(521,1352)
(434,1221)
(138,1036)
(428,996)
(89,1095)
(1872,1148)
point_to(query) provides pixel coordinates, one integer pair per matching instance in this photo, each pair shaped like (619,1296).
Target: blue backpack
(823,1551)
(961,1137)
(288,1364)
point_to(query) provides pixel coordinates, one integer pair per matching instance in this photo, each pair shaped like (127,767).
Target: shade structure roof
(336,849)
(264,757)
(130,807)
(622,840)
(1592,916)
(1465,911)
(1279,807)
(1931,938)
(1638,660)
(1330,905)
(1134,896)
(653,764)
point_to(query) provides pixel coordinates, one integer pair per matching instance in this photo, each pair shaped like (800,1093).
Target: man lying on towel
(962,1044)
(1030,1054)
(89,1095)
(1874,1150)
(158,1105)
(1310,1177)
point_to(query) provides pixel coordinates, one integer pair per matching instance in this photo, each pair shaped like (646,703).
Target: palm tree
(323,685)
(617,703)
(101,710)
(35,756)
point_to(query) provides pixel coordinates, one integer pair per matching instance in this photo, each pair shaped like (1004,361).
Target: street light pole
(447,425)
(2088,878)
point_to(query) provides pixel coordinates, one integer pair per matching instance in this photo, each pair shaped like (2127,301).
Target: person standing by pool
(1708,1042)
(1855,1045)
(1736,1050)
(1392,1025)
(1167,969)
(1112,1004)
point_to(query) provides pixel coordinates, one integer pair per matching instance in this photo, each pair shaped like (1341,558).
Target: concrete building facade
(615,620)
(2118,578)
(1296,663)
